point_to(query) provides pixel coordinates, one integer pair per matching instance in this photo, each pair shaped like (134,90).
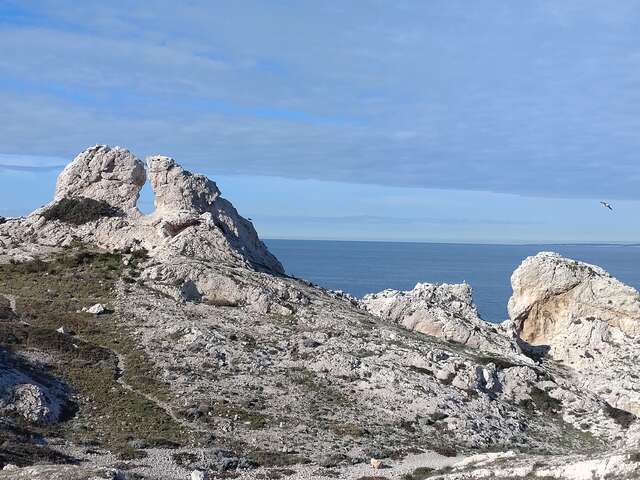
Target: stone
(32,402)
(310,343)
(376,464)
(199,475)
(96,309)
(112,174)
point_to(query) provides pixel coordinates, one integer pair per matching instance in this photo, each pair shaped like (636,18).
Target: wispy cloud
(30,163)
(355,220)
(23,168)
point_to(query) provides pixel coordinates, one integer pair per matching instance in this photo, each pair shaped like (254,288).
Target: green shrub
(80,210)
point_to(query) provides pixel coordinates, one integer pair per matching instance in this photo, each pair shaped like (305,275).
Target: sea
(364,267)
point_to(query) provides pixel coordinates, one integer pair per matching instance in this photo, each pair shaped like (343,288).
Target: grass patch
(80,210)
(542,401)
(621,417)
(50,294)
(266,458)
(419,473)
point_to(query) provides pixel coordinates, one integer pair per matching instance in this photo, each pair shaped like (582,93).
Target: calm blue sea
(364,267)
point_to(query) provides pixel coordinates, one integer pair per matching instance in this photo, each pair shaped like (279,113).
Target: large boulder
(581,316)
(112,174)
(441,310)
(551,294)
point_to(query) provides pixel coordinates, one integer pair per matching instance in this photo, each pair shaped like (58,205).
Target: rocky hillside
(174,346)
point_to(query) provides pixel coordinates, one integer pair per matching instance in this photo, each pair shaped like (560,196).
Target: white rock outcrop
(441,310)
(96,309)
(112,174)
(550,293)
(583,317)
(195,236)
(184,200)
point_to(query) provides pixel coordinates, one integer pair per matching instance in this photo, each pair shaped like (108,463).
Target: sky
(484,121)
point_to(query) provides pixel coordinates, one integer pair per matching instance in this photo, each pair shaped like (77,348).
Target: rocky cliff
(199,354)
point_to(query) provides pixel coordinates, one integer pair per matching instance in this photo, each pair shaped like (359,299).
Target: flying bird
(606,205)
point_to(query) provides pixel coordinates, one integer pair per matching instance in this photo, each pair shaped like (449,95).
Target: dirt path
(164,406)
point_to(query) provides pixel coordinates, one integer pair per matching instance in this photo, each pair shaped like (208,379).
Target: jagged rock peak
(182,197)
(112,174)
(178,189)
(441,310)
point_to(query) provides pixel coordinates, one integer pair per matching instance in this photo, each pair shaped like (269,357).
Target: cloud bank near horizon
(535,99)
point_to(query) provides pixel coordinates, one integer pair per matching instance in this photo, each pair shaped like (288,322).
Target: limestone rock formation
(193,234)
(441,310)
(112,174)
(513,466)
(551,292)
(585,318)
(184,199)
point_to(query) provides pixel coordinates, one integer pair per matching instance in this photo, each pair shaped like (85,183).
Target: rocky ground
(201,357)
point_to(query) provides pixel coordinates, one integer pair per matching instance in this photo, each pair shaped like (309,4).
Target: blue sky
(491,121)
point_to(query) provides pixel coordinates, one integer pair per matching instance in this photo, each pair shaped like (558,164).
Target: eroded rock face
(112,174)
(176,189)
(443,311)
(551,294)
(585,319)
(184,200)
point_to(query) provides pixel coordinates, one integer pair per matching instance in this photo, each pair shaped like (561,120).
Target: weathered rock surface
(112,174)
(192,230)
(585,319)
(244,366)
(509,465)
(551,292)
(444,311)
(38,399)
(184,199)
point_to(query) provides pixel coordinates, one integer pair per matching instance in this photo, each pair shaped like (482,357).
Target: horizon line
(478,242)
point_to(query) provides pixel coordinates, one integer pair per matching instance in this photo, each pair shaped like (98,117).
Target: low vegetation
(80,210)
(419,473)
(51,294)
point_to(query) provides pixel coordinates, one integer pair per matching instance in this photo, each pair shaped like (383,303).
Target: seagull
(606,205)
